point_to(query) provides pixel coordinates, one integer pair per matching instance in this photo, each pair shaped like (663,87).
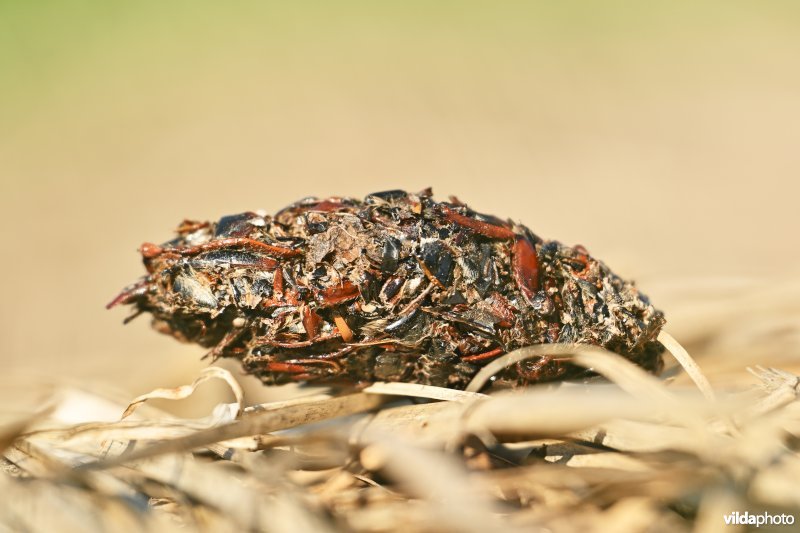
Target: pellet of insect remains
(401,273)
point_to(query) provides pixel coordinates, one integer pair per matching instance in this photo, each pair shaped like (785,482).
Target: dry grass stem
(622,451)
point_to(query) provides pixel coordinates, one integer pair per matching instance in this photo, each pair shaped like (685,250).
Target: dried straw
(625,452)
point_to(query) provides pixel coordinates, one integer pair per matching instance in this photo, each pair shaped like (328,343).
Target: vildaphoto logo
(758,520)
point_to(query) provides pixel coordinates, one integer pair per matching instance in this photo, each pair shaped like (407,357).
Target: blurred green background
(663,136)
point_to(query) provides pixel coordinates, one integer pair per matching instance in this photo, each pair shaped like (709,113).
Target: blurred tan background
(663,136)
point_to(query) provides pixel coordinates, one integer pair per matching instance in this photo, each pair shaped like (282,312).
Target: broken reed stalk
(257,423)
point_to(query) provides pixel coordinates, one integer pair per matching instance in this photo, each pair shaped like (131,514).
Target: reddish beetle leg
(280,297)
(293,345)
(285,368)
(300,368)
(478,226)
(277,284)
(526,267)
(483,356)
(129,293)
